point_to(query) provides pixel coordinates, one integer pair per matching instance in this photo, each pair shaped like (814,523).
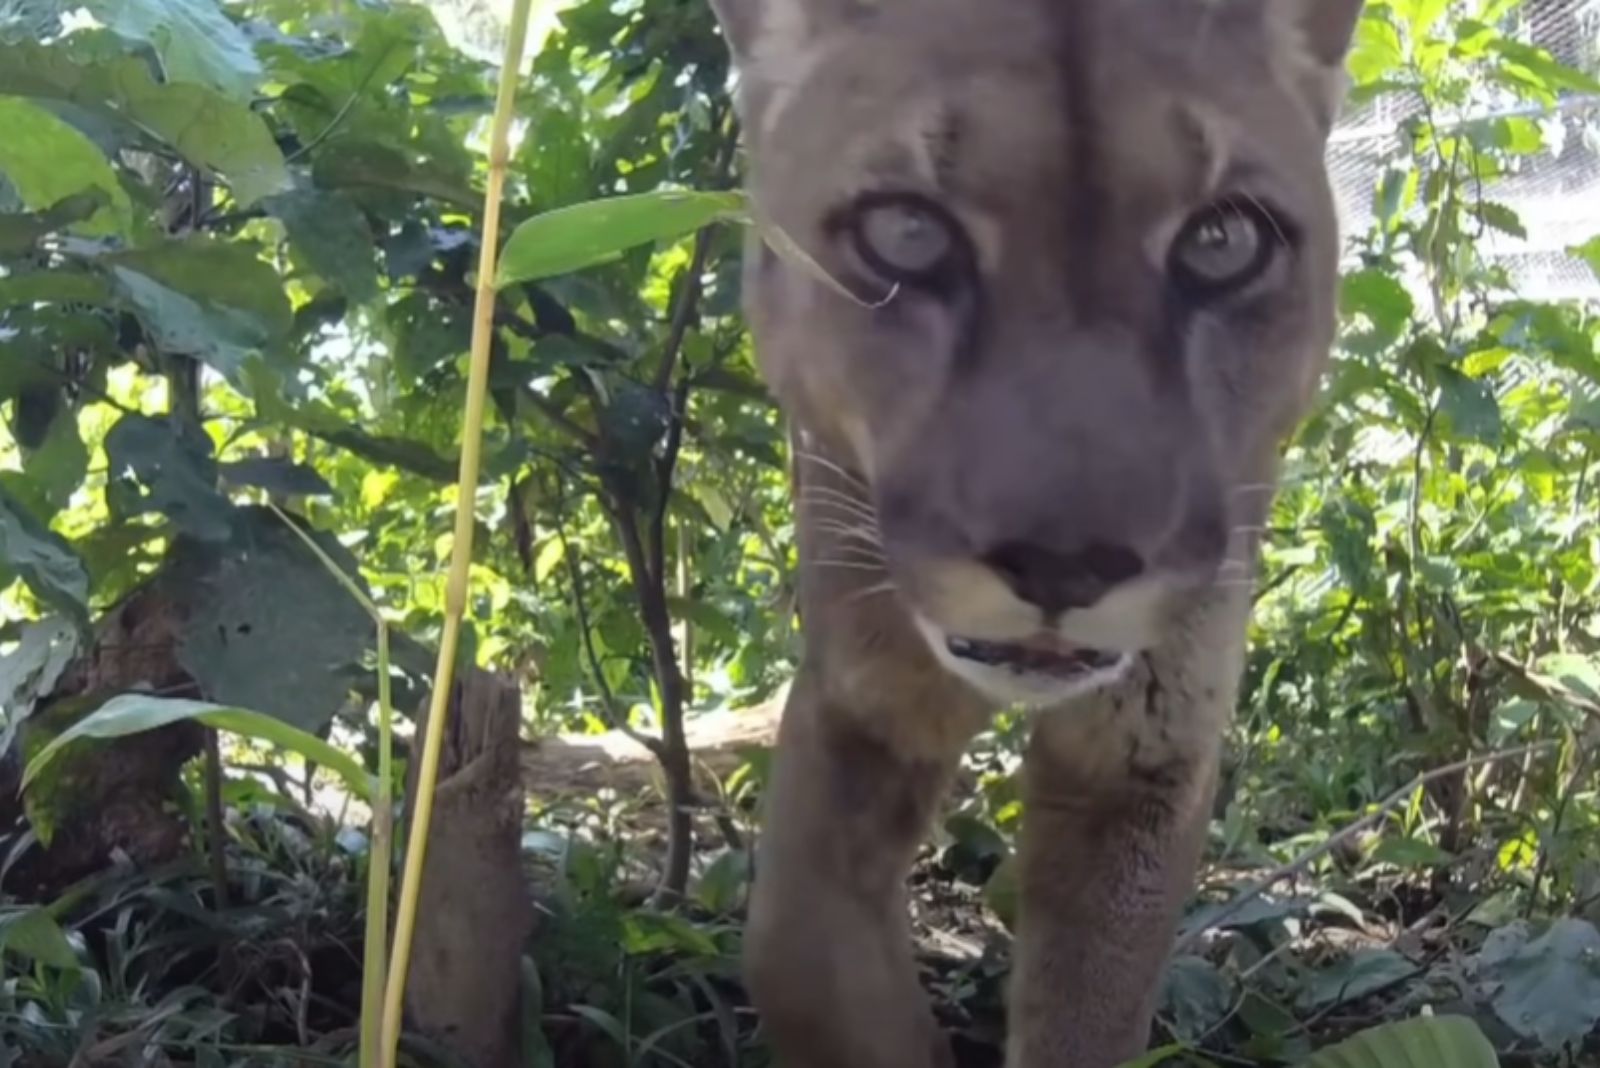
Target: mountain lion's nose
(1057,581)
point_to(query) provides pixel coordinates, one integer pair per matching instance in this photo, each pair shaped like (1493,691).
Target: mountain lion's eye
(902,238)
(1222,247)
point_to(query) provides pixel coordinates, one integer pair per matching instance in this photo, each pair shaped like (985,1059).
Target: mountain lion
(1041,286)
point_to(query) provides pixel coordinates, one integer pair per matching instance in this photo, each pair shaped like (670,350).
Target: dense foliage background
(236,255)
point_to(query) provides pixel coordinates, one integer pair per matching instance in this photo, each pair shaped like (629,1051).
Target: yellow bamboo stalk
(461,547)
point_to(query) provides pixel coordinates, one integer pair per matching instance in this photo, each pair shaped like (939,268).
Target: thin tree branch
(1349,831)
(614,715)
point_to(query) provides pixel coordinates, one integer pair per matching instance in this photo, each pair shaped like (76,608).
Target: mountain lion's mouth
(1046,655)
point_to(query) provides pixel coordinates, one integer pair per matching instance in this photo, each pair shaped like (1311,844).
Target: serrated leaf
(136,713)
(42,558)
(206,128)
(330,231)
(1382,301)
(598,231)
(1500,217)
(1422,1042)
(47,162)
(276,475)
(194,41)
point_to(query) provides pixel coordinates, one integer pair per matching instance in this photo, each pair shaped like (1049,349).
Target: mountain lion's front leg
(1117,801)
(827,946)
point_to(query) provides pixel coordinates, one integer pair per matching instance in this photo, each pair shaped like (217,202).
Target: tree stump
(474,910)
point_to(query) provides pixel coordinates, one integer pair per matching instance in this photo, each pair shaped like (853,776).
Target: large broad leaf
(217,301)
(193,39)
(266,386)
(329,231)
(42,558)
(1469,407)
(598,231)
(46,161)
(205,127)
(268,627)
(31,670)
(1163,1055)
(1194,997)
(1423,1042)
(158,466)
(1549,988)
(22,230)
(277,475)
(34,933)
(137,713)
(1358,975)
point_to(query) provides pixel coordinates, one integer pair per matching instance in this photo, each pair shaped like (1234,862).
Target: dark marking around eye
(1088,193)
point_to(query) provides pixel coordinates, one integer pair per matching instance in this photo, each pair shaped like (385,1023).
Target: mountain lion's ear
(1327,26)
(1317,34)
(762,30)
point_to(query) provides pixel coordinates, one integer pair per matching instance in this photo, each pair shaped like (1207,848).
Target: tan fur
(965,455)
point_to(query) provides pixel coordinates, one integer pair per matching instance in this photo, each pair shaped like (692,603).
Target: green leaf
(34,933)
(57,463)
(158,466)
(276,475)
(136,713)
(47,161)
(1545,68)
(193,39)
(331,233)
(21,231)
(1377,50)
(269,627)
(43,559)
(1422,1042)
(1498,216)
(1194,997)
(1469,407)
(207,129)
(1589,252)
(1383,301)
(598,231)
(356,164)
(1358,975)
(1409,854)
(217,301)
(1549,988)
(1156,1057)
(721,888)
(32,669)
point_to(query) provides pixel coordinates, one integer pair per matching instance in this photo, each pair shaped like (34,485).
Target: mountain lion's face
(1071,282)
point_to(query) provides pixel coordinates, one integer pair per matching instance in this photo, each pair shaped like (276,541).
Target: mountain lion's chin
(1037,672)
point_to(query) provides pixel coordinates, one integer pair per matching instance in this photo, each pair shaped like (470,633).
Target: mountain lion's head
(1054,279)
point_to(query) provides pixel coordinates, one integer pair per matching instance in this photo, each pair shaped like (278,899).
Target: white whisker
(830,493)
(848,565)
(839,509)
(870,591)
(828,465)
